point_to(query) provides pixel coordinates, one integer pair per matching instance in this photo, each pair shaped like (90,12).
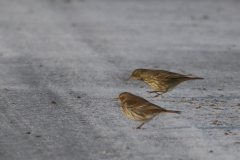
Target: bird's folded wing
(165,74)
(141,106)
(135,104)
(151,106)
(147,109)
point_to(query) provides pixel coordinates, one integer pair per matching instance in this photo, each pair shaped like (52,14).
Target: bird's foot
(151,91)
(157,94)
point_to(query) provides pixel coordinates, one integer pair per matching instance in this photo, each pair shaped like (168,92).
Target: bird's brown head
(136,74)
(123,96)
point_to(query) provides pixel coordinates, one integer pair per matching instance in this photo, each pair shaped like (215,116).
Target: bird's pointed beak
(128,78)
(116,99)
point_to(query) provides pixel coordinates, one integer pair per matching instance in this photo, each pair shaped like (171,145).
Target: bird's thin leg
(156,93)
(139,127)
(161,94)
(152,91)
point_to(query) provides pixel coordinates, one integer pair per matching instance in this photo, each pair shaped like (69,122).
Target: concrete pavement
(62,63)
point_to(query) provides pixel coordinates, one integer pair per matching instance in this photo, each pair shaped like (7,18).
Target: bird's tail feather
(194,78)
(169,111)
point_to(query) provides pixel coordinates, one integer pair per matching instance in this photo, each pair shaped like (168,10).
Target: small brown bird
(160,80)
(139,109)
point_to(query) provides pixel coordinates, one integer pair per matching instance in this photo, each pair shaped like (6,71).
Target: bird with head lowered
(160,80)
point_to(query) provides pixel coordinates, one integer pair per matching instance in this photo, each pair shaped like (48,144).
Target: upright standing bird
(160,80)
(139,109)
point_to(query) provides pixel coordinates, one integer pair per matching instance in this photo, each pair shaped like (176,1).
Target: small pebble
(53,102)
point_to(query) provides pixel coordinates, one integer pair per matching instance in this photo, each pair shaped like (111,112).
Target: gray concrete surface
(77,54)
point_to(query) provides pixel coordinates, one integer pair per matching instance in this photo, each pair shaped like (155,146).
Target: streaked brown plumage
(160,80)
(139,109)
